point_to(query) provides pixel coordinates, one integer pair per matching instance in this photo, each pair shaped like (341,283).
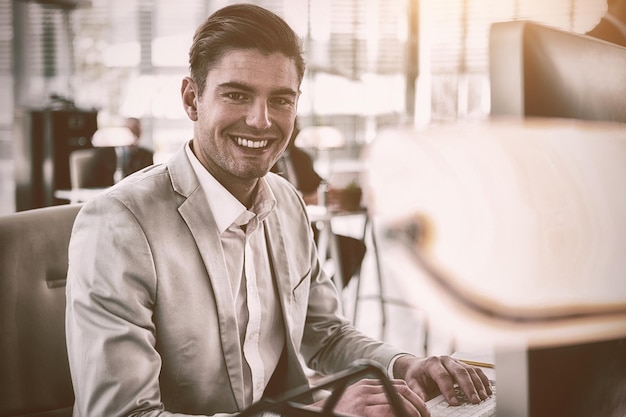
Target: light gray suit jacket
(150,325)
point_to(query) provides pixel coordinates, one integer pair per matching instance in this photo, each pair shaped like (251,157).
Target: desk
(321,218)
(327,244)
(78,195)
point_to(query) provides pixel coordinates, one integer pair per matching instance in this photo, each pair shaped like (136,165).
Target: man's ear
(188,91)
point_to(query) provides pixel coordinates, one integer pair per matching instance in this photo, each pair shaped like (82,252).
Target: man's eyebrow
(245,87)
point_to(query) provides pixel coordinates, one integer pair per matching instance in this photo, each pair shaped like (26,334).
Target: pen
(476,363)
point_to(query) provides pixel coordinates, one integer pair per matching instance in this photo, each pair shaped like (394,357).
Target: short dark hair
(241,26)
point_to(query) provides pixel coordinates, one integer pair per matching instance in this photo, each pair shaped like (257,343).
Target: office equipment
(566,379)
(439,407)
(44,139)
(537,70)
(35,377)
(295,403)
(511,233)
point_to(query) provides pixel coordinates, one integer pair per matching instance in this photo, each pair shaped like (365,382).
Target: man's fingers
(472,381)
(433,375)
(376,402)
(441,374)
(481,383)
(412,401)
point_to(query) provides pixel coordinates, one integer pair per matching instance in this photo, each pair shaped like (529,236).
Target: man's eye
(235,96)
(281,101)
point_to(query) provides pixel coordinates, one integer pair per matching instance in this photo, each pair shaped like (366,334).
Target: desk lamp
(113,136)
(119,138)
(512,233)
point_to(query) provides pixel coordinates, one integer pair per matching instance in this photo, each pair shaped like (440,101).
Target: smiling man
(243,115)
(194,286)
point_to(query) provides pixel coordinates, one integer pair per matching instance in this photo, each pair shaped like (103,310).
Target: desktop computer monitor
(538,70)
(574,380)
(510,233)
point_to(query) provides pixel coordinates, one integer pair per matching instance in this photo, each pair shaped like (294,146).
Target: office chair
(35,376)
(79,165)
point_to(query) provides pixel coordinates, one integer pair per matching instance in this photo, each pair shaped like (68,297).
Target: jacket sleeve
(329,343)
(111,337)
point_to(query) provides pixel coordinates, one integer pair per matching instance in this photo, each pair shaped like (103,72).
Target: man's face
(245,115)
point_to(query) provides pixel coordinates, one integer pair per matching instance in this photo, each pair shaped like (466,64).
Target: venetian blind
(6,78)
(44,64)
(454,38)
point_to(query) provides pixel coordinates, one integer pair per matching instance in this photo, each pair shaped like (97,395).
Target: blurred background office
(116,157)
(371,64)
(522,222)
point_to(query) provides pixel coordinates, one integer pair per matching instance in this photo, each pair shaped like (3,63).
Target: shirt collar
(225,207)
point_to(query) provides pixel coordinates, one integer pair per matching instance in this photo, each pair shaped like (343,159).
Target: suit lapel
(280,265)
(199,219)
(280,268)
(201,223)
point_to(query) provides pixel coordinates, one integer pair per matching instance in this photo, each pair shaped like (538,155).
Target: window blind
(6,79)
(454,38)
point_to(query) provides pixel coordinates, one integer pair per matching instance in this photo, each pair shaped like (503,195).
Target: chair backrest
(79,164)
(34,371)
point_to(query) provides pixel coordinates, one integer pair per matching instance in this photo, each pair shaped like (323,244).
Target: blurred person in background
(296,165)
(112,163)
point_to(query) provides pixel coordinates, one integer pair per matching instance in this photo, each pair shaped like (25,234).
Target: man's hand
(367,398)
(429,376)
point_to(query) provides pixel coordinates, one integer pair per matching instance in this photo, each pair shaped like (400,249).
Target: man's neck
(245,194)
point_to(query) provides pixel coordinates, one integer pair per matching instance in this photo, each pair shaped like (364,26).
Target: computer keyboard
(439,407)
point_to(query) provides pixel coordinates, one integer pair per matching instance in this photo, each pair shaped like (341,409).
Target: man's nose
(258,115)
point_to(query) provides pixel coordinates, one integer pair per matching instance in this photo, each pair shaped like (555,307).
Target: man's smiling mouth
(252,144)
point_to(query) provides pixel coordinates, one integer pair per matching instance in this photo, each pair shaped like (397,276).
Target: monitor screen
(538,70)
(574,380)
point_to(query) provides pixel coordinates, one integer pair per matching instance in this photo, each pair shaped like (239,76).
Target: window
(454,38)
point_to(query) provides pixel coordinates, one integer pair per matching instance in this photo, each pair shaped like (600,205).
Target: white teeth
(251,143)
